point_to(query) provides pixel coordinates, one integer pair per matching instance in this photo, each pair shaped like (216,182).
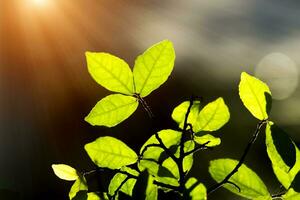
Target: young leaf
(110,152)
(144,187)
(112,110)
(255,95)
(65,172)
(178,114)
(195,190)
(212,141)
(213,116)
(153,67)
(251,186)
(111,72)
(118,179)
(79,185)
(287,168)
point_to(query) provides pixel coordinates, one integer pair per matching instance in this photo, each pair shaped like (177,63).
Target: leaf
(212,141)
(79,185)
(153,67)
(284,173)
(250,184)
(110,72)
(284,146)
(118,179)
(110,152)
(144,187)
(263,198)
(65,172)
(291,195)
(179,113)
(170,138)
(255,96)
(195,190)
(112,110)
(213,116)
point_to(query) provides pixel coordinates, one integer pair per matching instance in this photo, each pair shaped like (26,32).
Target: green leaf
(250,184)
(144,187)
(112,110)
(153,67)
(93,196)
(111,72)
(263,198)
(170,138)
(79,185)
(255,95)
(213,116)
(284,173)
(195,190)
(212,141)
(178,114)
(110,152)
(65,172)
(118,179)
(291,195)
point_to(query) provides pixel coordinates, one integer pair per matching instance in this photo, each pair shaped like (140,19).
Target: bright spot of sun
(280,72)
(40,2)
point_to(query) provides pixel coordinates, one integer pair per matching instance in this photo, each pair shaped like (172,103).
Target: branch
(242,159)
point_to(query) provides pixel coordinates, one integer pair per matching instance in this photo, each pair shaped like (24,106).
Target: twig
(200,147)
(241,161)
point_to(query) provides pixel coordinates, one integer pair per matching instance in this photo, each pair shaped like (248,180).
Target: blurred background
(46,91)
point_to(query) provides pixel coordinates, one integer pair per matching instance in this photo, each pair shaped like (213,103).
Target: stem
(182,141)
(151,115)
(279,195)
(241,161)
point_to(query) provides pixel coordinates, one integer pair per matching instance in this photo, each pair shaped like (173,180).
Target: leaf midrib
(257,101)
(152,67)
(116,108)
(112,153)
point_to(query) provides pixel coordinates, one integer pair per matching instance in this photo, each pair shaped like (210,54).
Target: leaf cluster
(163,163)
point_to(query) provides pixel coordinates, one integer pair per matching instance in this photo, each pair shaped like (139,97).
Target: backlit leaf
(195,190)
(212,141)
(110,152)
(255,95)
(65,172)
(170,138)
(79,185)
(284,173)
(213,116)
(112,110)
(119,178)
(153,67)
(250,184)
(180,111)
(111,72)
(291,195)
(144,187)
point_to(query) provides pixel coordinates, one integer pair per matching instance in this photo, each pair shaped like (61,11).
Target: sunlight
(40,2)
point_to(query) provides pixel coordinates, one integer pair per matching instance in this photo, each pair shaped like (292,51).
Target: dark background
(46,91)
